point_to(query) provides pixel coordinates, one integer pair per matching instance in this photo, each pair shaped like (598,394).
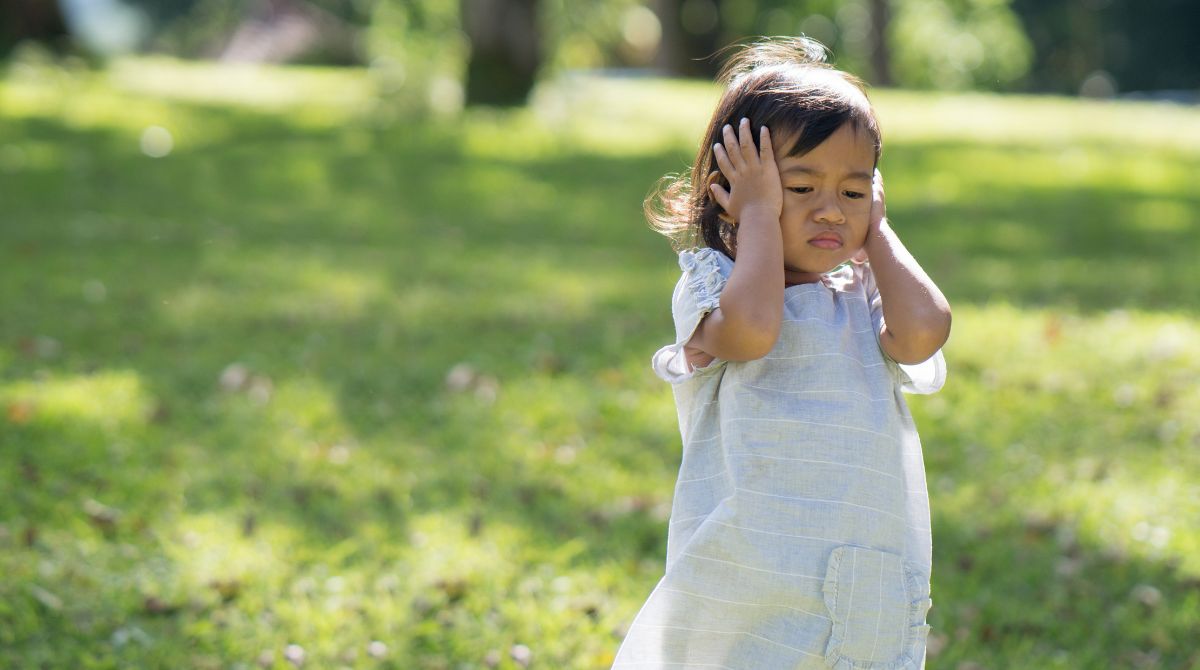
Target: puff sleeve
(920,378)
(698,292)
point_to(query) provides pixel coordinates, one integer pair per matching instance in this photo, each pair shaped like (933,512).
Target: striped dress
(800,532)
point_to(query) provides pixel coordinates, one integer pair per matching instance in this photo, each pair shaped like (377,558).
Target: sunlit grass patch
(1035,120)
(255,285)
(106,401)
(244,84)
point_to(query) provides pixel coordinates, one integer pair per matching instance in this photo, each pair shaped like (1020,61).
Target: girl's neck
(794,277)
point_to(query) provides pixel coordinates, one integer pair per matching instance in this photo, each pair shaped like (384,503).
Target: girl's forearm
(753,295)
(915,313)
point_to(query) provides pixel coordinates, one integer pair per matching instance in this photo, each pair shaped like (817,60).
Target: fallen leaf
(20,412)
(454,588)
(377,649)
(155,605)
(261,389)
(46,598)
(30,471)
(295,655)
(460,377)
(161,413)
(521,654)
(1147,595)
(103,516)
(234,377)
(228,589)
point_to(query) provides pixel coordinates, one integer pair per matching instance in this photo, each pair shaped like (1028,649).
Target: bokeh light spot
(157,141)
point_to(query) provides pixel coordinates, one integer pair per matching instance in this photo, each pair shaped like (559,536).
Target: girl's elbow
(752,351)
(917,347)
(754,340)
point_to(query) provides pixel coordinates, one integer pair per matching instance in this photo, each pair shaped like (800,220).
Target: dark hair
(783,84)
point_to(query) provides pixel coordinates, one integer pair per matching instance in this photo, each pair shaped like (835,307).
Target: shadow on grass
(1029,591)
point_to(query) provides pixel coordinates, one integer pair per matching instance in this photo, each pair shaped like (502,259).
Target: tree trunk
(505,50)
(691,31)
(38,20)
(881,53)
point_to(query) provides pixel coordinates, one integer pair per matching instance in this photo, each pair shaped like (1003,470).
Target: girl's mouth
(828,241)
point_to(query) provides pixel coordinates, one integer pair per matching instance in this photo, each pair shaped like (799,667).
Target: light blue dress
(800,532)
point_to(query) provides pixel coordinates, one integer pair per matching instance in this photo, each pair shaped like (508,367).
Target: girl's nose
(829,212)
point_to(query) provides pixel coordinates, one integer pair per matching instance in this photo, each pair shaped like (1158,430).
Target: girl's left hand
(876,216)
(877,203)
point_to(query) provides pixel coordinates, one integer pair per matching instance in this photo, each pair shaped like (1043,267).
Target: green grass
(231,419)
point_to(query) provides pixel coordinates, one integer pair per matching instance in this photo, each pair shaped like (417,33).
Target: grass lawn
(320,386)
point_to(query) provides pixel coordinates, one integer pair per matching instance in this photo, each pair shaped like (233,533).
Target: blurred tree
(583,35)
(280,31)
(37,20)
(418,53)
(958,44)
(691,37)
(880,49)
(950,44)
(316,31)
(1103,47)
(505,53)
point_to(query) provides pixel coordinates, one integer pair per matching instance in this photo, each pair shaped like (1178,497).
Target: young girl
(800,531)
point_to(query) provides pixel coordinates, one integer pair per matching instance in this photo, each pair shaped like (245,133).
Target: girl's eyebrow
(817,173)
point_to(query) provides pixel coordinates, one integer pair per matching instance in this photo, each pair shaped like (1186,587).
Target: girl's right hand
(754,184)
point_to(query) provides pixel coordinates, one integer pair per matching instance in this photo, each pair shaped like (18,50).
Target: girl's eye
(800,189)
(855,195)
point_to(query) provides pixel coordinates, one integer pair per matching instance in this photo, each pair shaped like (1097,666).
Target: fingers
(723,161)
(732,149)
(738,150)
(746,141)
(719,193)
(750,172)
(766,150)
(878,200)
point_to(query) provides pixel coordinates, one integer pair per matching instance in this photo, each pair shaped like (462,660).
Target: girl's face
(826,200)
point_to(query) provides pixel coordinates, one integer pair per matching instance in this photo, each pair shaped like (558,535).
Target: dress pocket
(877,604)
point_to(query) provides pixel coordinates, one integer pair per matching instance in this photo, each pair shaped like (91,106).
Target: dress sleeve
(920,378)
(698,292)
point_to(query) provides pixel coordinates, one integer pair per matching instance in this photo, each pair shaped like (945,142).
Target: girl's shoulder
(705,272)
(705,260)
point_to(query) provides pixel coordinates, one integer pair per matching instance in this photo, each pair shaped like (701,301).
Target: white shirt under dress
(800,531)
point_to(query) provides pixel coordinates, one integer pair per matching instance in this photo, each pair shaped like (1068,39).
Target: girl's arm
(747,323)
(916,315)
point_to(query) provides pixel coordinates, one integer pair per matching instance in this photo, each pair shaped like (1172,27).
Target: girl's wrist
(876,237)
(759,215)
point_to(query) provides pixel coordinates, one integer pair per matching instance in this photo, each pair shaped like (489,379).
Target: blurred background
(326,324)
(497,49)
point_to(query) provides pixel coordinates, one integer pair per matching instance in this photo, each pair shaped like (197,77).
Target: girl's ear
(721,213)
